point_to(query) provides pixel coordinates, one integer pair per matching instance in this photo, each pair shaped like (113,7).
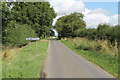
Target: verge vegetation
(23,62)
(100,45)
(21,20)
(97,52)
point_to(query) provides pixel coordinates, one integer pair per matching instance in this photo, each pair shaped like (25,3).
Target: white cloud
(86,12)
(92,20)
(114,19)
(91,17)
(99,10)
(63,7)
(95,17)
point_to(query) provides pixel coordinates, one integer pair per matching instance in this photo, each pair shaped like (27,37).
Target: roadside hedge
(15,34)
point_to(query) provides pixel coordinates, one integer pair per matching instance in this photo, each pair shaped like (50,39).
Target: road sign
(32,39)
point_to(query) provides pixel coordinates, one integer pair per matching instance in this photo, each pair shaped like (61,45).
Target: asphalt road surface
(61,62)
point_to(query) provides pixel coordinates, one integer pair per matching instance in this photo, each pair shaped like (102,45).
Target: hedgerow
(15,34)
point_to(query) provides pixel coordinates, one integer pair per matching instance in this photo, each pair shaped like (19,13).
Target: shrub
(104,46)
(15,34)
(85,44)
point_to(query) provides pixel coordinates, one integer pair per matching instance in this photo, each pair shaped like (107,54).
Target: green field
(105,61)
(25,63)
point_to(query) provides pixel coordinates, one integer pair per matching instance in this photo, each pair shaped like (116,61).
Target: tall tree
(35,14)
(29,17)
(67,25)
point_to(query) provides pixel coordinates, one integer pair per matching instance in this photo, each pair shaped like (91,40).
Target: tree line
(102,32)
(73,25)
(34,19)
(25,19)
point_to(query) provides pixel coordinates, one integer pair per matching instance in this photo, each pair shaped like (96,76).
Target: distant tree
(52,33)
(91,33)
(114,33)
(102,31)
(67,25)
(80,32)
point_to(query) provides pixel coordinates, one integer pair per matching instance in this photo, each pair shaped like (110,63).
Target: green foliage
(90,46)
(5,14)
(114,33)
(52,33)
(16,34)
(37,14)
(67,25)
(85,44)
(103,32)
(17,16)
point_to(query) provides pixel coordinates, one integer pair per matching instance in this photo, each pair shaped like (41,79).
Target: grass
(105,61)
(103,46)
(25,63)
(0,66)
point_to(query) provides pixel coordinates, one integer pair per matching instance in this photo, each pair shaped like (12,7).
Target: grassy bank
(25,63)
(105,60)
(0,66)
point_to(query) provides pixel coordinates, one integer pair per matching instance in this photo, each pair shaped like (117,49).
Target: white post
(30,45)
(36,46)
(32,39)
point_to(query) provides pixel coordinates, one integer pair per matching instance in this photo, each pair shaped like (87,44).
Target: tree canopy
(37,15)
(67,25)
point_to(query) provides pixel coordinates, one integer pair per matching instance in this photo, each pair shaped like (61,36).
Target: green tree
(91,33)
(36,14)
(52,33)
(5,15)
(67,25)
(16,34)
(102,31)
(114,33)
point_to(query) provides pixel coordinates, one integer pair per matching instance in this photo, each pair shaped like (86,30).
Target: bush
(15,35)
(85,44)
(103,46)
(89,45)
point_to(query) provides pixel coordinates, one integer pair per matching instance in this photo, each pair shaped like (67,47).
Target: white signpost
(33,39)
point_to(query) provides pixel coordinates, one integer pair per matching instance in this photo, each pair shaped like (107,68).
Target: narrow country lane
(61,62)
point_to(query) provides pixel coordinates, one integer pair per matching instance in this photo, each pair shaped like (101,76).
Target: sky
(111,7)
(94,12)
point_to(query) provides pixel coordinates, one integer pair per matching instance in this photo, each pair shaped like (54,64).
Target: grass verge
(0,65)
(105,61)
(25,63)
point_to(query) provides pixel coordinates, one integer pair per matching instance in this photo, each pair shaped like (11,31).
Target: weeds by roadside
(103,46)
(102,56)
